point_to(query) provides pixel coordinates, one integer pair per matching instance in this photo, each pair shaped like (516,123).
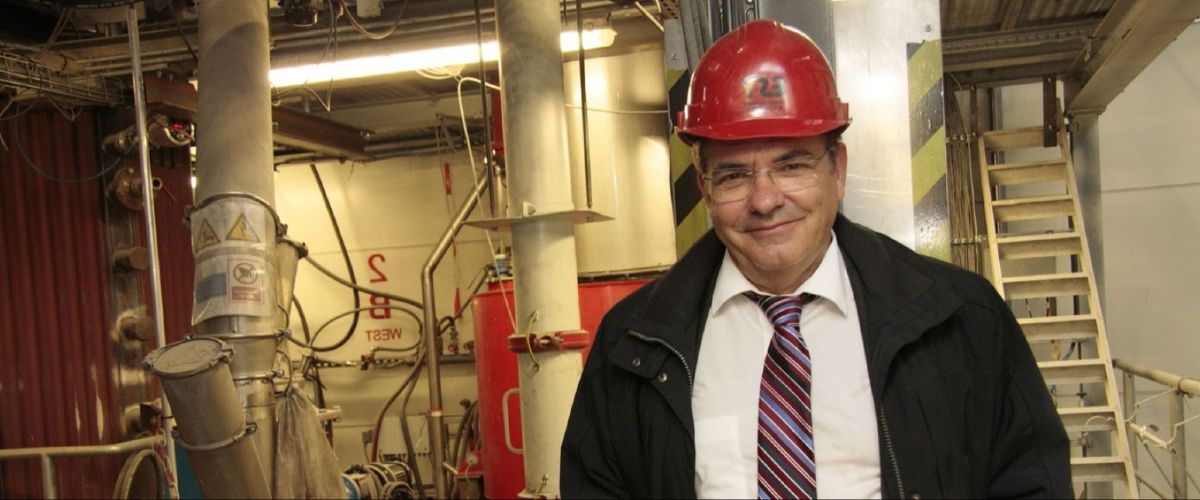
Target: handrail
(437,439)
(1176,444)
(1186,385)
(76,451)
(47,454)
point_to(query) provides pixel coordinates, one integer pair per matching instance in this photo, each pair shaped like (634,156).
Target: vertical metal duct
(547,297)
(234,225)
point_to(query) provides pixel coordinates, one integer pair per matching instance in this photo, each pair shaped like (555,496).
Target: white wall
(1150,185)
(397,209)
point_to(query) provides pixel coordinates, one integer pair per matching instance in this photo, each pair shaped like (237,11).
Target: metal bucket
(211,423)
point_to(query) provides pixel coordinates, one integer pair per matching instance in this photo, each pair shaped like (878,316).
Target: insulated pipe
(543,237)
(236,185)
(233,137)
(160,336)
(433,353)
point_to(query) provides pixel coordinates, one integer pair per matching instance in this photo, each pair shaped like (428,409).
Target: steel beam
(291,128)
(1131,36)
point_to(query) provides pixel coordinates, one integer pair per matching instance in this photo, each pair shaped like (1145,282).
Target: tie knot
(780,308)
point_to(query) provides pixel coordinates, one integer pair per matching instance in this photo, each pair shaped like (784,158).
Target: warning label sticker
(243,222)
(241,231)
(232,285)
(246,285)
(205,237)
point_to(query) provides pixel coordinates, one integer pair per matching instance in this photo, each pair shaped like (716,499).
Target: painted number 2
(378,277)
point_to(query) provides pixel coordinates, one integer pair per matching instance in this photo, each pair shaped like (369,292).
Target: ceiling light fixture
(400,62)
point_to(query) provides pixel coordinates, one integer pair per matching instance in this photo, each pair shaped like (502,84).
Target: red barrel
(496,369)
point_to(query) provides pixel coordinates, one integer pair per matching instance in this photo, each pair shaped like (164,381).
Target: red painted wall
(59,382)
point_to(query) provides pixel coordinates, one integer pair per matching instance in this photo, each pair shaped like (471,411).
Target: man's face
(777,238)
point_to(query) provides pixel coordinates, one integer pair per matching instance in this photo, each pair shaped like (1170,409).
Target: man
(792,353)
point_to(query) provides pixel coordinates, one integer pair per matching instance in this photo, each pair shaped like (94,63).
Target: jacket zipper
(655,340)
(891,451)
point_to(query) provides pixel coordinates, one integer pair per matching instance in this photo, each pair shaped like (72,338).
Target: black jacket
(962,408)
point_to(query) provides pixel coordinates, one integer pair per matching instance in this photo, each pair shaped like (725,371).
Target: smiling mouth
(771,227)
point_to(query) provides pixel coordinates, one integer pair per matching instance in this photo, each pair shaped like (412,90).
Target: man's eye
(730,176)
(794,166)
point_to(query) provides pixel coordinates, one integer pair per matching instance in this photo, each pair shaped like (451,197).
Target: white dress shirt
(729,375)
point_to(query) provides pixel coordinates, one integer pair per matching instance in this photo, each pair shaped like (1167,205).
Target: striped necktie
(786,454)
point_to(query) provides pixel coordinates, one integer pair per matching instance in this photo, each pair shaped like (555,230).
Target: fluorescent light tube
(400,62)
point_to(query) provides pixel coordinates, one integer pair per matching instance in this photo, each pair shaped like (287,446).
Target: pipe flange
(249,428)
(187,357)
(277,334)
(267,375)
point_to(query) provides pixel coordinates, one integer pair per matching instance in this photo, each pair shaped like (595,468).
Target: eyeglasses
(793,174)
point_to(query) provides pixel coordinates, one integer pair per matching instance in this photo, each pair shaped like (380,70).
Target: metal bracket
(557,341)
(249,428)
(280,227)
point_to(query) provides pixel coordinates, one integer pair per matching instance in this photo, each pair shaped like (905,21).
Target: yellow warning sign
(241,231)
(206,237)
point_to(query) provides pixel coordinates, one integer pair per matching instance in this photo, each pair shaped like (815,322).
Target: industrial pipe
(213,427)
(156,295)
(437,442)
(583,106)
(543,235)
(235,229)
(493,201)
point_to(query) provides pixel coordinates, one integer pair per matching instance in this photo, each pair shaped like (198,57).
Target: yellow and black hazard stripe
(927,131)
(691,217)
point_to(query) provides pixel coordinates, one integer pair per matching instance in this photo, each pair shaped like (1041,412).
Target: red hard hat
(762,80)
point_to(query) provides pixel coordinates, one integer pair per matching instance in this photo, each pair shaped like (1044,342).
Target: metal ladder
(1058,234)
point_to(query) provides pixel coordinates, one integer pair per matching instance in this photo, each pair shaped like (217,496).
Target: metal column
(1178,446)
(1129,407)
(547,297)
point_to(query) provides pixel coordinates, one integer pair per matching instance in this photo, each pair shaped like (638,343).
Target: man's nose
(765,196)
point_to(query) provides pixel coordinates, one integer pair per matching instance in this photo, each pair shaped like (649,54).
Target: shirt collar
(828,281)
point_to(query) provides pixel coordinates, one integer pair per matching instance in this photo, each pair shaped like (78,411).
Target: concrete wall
(1150,185)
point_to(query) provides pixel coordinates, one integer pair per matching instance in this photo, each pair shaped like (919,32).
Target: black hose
(331,275)
(420,326)
(15,127)
(337,230)
(179,29)
(303,320)
(406,389)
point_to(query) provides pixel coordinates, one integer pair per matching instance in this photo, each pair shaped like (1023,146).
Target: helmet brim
(760,129)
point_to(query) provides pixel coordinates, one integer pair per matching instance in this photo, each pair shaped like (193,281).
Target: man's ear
(841,166)
(699,166)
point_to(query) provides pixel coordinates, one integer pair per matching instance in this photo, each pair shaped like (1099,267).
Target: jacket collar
(675,309)
(899,296)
